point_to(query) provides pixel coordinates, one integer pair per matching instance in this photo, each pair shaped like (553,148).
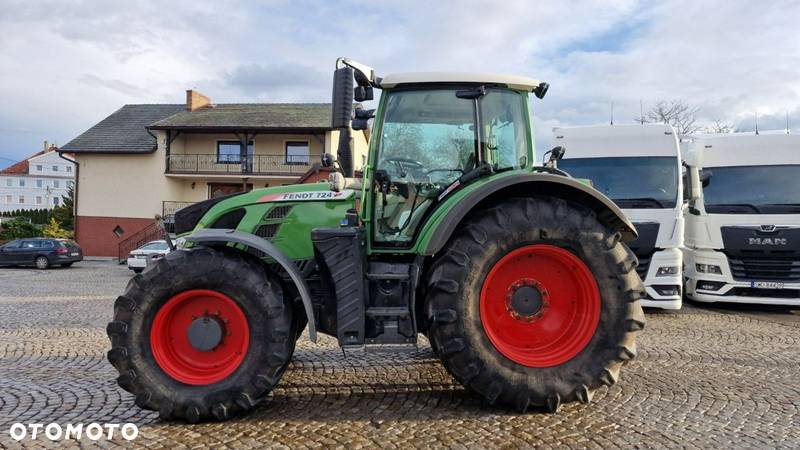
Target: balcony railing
(234,164)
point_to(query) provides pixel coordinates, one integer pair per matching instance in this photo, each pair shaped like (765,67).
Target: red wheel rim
(175,354)
(568,305)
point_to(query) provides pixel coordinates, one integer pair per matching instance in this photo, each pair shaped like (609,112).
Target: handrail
(236,164)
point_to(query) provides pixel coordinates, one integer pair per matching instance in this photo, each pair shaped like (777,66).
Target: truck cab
(743,222)
(639,168)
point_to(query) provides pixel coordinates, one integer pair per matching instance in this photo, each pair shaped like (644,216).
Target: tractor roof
(512,81)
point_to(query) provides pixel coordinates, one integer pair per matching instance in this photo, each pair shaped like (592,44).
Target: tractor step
(387,276)
(388,311)
(380,348)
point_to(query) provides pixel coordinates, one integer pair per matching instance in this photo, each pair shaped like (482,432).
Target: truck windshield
(753,190)
(428,140)
(632,182)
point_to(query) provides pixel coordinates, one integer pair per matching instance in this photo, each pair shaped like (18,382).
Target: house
(37,182)
(148,160)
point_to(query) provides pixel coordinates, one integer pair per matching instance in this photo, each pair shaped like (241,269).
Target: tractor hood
(207,213)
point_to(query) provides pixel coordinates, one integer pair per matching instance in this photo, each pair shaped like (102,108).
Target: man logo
(767,241)
(768,228)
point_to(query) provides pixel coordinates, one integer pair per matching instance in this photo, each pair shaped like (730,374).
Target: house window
(55,168)
(38,167)
(228,152)
(8,199)
(56,201)
(297,152)
(38,199)
(69,169)
(21,199)
(9,182)
(56,184)
(38,183)
(22,182)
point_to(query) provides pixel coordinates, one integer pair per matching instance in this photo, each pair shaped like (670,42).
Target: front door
(219,189)
(8,254)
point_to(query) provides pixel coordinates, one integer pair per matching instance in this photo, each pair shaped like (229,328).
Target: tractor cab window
(428,140)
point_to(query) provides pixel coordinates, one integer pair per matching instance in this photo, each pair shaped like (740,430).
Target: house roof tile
(124,131)
(251,117)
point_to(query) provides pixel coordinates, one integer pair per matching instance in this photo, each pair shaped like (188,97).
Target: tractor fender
(225,235)
(528,184)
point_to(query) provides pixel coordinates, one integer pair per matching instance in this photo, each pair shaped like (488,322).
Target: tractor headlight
(708,268)
(666,271)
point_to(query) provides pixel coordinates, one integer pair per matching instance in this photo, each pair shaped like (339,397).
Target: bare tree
(719,127)
(677,113)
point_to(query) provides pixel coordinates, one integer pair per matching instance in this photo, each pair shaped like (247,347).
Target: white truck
(743,222)
(639,168)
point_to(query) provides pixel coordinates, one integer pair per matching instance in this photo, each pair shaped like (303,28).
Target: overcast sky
(66,65)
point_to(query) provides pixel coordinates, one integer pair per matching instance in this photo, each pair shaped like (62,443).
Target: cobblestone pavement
(704,378)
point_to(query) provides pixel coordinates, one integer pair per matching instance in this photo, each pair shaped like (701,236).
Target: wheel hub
(540,305)
(205,333)
(200,337)
(527,300)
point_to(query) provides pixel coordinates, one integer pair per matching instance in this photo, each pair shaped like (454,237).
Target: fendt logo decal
(767,241)
(307,196)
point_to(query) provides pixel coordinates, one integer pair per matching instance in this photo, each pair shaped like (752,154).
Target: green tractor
(517,274)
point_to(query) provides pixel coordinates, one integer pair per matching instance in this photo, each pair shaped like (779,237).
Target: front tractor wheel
(534,303)
(201,334)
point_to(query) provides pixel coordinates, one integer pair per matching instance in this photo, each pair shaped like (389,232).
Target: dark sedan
(40,252)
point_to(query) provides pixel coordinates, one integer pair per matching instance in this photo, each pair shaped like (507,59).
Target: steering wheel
(401,164)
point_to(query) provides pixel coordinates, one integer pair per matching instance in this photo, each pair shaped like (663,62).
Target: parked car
(139,258)
(40,252)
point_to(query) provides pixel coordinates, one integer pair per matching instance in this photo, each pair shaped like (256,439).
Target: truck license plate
(766,284)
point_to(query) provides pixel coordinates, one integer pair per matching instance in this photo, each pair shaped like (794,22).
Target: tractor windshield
(429,138)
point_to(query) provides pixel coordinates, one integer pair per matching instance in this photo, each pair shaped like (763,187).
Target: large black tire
(259,296)
(455,280)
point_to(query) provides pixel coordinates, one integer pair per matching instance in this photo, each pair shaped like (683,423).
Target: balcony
(212,164)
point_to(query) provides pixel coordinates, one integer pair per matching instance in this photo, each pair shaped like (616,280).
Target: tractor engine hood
(187,219)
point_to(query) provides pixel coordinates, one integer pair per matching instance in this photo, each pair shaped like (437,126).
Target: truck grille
(765,268)
(644,264)
(645,245)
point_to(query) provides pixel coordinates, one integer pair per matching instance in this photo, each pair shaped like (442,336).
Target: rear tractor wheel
(203,334)
(534,303)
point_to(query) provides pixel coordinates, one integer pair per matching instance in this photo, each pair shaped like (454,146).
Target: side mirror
(361,122)
(705,177)
(363,93)
(556,153)
(342,98)
(327,160)
(695,185)
(540,90)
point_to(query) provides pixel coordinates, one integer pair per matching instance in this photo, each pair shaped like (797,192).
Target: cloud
(273,82)
(66,65)
(118,86)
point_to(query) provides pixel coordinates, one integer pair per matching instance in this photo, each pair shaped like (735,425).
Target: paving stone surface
(717,377)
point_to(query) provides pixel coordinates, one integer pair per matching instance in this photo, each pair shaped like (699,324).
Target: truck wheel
(203,334)
(534,303)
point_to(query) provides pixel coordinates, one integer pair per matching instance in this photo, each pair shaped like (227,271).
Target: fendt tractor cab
(517,275)
(743,223)
(639,168)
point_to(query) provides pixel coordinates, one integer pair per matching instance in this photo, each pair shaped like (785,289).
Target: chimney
(46,146)
(196,100)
